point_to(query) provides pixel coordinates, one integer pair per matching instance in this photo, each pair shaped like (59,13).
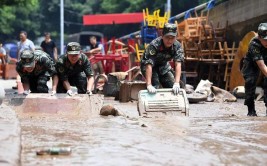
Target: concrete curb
(10,137)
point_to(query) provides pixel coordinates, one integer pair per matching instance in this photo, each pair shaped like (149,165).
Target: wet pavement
(10,137)
(213,134)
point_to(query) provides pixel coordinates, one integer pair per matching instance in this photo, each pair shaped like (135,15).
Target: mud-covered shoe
(249,112)
(252,113)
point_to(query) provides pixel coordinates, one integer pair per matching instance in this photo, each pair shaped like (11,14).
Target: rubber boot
(251,110)
(254,113)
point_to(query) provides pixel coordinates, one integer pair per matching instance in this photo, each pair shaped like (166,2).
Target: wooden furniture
(191,61)
(129,90)
(229,54)
(8,70)
(212,59)
(188,28)
(219,33)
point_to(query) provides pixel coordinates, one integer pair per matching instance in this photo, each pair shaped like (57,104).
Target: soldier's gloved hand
(53,92)
(26,92)
(176,88)
(89,92)
(151,89)
(70,93)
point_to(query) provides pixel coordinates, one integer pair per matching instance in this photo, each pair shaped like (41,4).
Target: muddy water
(221,134)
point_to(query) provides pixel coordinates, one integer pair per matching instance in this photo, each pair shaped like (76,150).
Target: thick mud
(213,134)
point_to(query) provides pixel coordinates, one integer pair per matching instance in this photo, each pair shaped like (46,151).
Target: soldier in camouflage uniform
(155,61)
(35,69)
(74,69)
(254,62)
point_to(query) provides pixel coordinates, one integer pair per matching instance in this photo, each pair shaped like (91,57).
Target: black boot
(251,110)
(254,113)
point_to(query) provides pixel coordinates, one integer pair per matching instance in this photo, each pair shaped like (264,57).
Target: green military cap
(169,29)
(27,58)
(73,48)
(262,31)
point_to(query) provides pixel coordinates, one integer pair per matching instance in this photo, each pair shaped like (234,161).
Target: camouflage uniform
(43,70)
(76,74)
(159,56)
(251,71)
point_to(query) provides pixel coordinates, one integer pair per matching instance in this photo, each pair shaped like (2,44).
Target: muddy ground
(213,134)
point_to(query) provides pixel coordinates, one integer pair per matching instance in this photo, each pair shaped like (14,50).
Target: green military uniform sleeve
(255,51)
(19,69)
(179,53)
(87,66)
(61,69)
(149,55)
(49,65)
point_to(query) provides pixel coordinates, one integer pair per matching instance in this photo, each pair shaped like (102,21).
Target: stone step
(40,103)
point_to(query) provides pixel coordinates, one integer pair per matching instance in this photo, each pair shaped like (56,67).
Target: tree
(16,2)
(17,15)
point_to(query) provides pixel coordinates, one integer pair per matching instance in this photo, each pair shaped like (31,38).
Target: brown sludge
(109,110)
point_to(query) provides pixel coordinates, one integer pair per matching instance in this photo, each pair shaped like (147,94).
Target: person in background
(3,52)
(254,62)
(49,46)
(155,61)
(95,48)
(35,69)
(23,44)
(74,69)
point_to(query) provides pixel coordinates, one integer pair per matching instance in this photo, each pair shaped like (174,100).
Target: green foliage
(17,2)
(7,16)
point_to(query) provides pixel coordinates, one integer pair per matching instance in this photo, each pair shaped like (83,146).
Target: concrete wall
(242,15)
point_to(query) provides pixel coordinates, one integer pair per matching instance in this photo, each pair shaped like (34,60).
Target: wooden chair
(191,62)
(204,17)
(180,31)
(229,54)
(192,28)
(212,56)
(219,33)
(206,33)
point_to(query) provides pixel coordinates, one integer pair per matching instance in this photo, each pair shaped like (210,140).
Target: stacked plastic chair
(149,30)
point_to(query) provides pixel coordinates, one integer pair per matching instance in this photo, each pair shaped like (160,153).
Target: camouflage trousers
(38,84)
(98,68)
(250,89)
(78,80)
(166,81)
